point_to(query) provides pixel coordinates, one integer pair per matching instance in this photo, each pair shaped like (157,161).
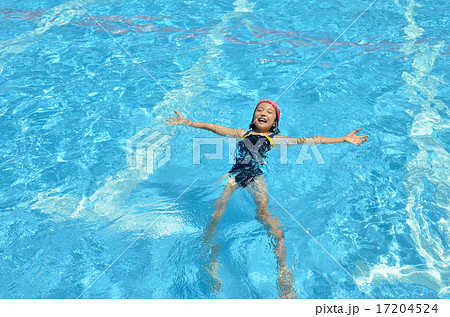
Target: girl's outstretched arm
(216,128)
(350,138)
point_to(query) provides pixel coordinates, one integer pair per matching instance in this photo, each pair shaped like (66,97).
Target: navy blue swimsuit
(250,154)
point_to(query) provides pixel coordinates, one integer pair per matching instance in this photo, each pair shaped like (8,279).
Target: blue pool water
(71,97)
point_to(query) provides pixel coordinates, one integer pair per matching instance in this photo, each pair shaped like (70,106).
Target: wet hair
(272,129)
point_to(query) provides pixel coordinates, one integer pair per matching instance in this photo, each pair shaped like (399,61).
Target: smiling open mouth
(262,120)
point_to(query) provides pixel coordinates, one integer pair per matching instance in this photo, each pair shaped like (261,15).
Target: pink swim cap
(273,103)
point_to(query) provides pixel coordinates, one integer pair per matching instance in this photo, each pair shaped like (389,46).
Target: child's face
(265,116)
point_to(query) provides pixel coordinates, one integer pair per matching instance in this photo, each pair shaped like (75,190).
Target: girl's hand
(179,119)
(355,139)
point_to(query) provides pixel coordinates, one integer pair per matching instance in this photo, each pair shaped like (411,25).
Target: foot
(286,288)
(212,268)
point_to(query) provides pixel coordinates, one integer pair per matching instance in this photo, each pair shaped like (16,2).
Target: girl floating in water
(251,150)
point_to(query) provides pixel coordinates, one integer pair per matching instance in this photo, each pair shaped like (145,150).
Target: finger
(176,112)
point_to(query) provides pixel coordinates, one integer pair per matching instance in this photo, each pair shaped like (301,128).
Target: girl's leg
(285,279)
(221,205)
(212,267)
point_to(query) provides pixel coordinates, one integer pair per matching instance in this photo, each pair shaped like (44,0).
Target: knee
(279,234)
(262,207)
(216,216)
(263,215)
(276,229)
(272,225)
